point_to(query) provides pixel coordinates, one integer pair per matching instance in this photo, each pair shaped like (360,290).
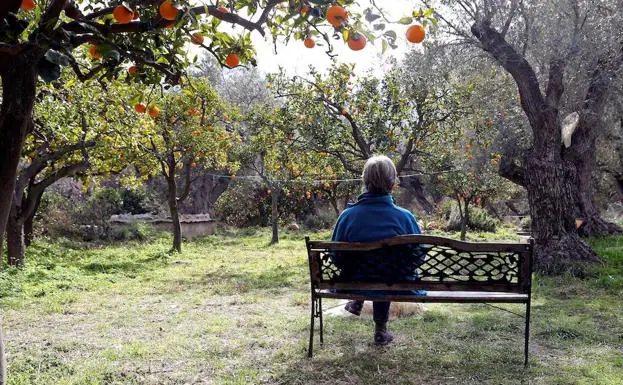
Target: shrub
(131,231)
(323,220)
(244,205)
(479,219)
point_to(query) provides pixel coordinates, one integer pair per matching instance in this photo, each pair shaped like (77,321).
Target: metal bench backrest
(412,262)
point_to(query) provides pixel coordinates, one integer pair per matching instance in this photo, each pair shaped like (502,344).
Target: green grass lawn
(232,310)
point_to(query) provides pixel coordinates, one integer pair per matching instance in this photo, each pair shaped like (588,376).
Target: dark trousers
(380,311)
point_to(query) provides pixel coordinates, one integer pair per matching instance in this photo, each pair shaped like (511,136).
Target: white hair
(379,175)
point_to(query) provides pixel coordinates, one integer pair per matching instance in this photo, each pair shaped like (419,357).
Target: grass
(233,310)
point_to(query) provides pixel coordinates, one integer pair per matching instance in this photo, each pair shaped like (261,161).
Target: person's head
(379,175)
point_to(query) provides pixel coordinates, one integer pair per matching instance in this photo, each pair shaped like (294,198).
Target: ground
(233,310)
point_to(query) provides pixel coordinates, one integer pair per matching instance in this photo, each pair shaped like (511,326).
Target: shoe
(382,338)
(354,307)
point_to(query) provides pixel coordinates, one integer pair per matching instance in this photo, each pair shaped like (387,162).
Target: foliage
(247,204)
(351,118)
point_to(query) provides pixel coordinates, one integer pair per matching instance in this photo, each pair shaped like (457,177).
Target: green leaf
(406,20)
(384,45)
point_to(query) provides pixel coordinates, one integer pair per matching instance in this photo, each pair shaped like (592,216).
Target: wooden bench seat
(450,271)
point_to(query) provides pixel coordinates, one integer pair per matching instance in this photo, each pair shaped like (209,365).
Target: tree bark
(548,179)
(414,184)
(18,97)
(275,214)
(29,224)
(582,151)
(15,239)
(175,216)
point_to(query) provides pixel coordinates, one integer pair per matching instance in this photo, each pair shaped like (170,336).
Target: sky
(296,58)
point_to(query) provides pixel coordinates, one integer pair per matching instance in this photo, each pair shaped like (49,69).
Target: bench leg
(319,314)
(527,334)
(311,328)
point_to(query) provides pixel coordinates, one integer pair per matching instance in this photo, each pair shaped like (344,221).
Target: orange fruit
(139,107)
(222,9)
(167,10)
(232,60)
(336,15)
(122,14)
(197,38)
(416,33)
(309,42)
(357,41)
(28,5)
(132,70)
(154,111)
(305,8)
(95,54)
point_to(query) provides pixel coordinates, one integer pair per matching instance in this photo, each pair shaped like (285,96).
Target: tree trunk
(18,97)
(548,178)
(415,186)
(333,202)
(15,239)
(175,216)
(464,211)
(593,224)
(275,214)
(28,229)
(559,247)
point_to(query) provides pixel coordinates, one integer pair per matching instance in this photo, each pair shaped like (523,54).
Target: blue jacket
(373,218)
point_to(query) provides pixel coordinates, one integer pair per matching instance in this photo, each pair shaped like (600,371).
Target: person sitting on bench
(374,217)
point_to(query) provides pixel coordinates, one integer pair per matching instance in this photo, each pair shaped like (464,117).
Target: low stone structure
(193,226)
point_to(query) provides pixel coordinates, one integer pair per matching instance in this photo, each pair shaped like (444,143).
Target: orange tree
(179,132)
(275,150)
(40,38)
(351,118)
(71,133)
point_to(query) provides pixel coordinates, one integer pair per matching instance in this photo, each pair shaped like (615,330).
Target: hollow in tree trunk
(275,215)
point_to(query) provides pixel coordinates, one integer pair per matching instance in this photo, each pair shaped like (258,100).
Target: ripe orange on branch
(167,10)
(154,111)
(94,52)
(197,38)
(232,60)
(416,33)
(357,41)
(28,5)
(140,108)
(122,14)
(336,15)
(132,70)
(222,9)
(309,42)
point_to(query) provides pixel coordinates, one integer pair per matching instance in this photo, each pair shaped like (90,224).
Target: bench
(450,271)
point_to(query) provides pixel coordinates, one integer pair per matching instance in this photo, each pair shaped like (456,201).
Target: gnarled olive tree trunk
(548,178)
